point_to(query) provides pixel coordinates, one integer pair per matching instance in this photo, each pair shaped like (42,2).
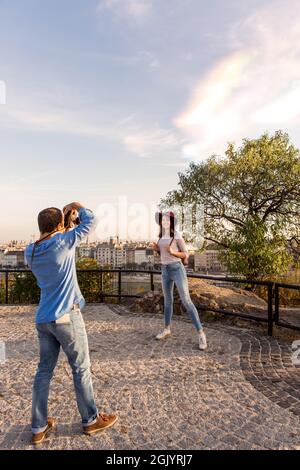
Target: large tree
(251,200)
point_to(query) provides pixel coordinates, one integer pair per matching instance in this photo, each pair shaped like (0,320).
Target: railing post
(276,303)
(6,287)
(270,309)
(101,286)
(151,280)
(119,285)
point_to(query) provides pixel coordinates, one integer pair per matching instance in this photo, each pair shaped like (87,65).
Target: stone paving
(242,393)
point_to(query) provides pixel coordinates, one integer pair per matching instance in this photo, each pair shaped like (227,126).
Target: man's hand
(72,206)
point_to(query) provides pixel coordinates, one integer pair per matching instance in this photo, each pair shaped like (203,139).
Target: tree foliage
(23,288)
(251,201)
(92,284)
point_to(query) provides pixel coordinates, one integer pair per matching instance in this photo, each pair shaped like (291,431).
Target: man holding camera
(59,322)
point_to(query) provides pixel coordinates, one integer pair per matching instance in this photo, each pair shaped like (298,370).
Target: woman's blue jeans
(72,338)
(176,273)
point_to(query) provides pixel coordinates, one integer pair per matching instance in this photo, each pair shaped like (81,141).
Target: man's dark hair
(49,219)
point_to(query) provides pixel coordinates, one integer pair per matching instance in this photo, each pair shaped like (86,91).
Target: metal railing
(277,317)
(268,284)
(272,315)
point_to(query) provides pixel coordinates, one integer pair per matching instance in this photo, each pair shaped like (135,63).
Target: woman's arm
(178,254)
(154,246)
(183,253)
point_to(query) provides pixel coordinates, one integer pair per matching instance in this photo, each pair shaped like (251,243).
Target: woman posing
(172,249)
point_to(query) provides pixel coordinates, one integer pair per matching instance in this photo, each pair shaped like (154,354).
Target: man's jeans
(73,340)
(176,273)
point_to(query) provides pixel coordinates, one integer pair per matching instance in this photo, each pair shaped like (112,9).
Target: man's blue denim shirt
(55,270)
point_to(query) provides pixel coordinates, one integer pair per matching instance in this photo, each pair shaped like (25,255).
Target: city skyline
(108,97)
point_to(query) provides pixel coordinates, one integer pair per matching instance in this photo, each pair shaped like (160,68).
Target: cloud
(210,115)
(30,117)
(150,59)
(253,89)
(2,92)
(137,138)
(148,143)
(283,109)
(36,180)
(137,10)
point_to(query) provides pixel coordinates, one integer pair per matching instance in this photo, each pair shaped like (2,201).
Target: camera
(71,219)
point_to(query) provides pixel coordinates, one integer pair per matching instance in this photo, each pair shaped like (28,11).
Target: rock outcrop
(206,296)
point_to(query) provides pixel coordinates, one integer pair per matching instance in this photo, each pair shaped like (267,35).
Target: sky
(109,99)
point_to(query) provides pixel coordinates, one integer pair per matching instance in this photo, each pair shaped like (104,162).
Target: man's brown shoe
(103,422)
(37,438)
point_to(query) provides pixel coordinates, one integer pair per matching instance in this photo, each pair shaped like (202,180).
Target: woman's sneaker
(164,334)
(202,340)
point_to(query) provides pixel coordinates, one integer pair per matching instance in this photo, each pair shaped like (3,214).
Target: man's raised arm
(88,222)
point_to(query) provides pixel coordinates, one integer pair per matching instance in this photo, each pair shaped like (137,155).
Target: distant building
(104,254)
(2,252)
(119,256)
(13,259)
(84,251)
(129,254)
(140,255)
(208,260)
(150,256)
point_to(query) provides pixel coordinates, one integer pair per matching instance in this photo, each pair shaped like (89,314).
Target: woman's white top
(178,244)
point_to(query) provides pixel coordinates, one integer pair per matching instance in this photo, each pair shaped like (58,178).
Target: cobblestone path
(242,393)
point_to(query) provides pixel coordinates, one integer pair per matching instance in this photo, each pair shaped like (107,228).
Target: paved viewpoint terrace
(242,393)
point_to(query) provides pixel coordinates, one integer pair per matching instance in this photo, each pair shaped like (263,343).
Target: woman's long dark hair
(172,225)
